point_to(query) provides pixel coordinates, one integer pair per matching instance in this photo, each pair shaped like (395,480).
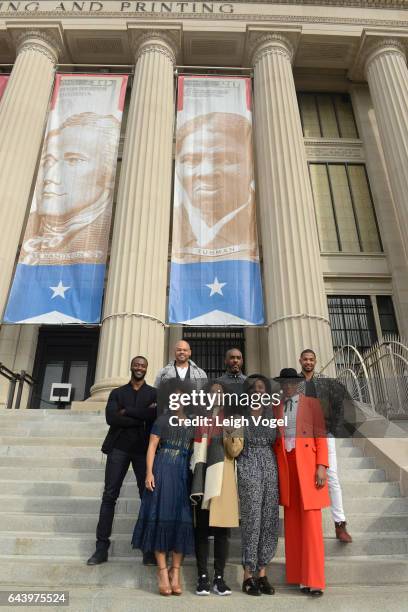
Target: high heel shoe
(163,590)
(175,588)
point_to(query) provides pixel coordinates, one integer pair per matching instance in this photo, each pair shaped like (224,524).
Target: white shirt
(182,372)
(290,410)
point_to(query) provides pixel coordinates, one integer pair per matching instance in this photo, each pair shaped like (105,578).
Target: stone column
(23,112)
(387,76)
(296,303)
(135,302)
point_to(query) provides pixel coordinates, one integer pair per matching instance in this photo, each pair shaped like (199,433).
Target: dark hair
(139,357)
(250,381)
(308,351)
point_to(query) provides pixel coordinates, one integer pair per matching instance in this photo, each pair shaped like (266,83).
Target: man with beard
(331,395)
(130,413)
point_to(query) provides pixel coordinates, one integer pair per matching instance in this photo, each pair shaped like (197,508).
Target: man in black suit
(130,413)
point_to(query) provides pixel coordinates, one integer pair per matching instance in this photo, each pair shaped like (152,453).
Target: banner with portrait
(61,268)
(3,83)
(215,276)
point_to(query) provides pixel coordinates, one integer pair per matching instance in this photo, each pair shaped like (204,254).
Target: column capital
(165,42)
(375,44)
(41,41)
(262,43)
(383,46)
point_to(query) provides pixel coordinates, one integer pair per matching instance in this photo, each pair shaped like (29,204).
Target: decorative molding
(39,41)
(251,17)
(158,41)
(269,43)
(334,150)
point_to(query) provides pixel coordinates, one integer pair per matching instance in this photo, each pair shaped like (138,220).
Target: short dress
(165,517)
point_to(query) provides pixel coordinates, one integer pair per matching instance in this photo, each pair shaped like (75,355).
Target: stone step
(129,489)
(87,505)
(353,598)
(65,572)
(124,523)
(36,471)
(15,416)
(54,462)
(63,446)
(81,546)
(92,431)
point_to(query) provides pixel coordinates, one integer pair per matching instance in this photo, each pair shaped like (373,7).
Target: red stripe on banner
(3,83)
(180,97)
(122,93)
(56,90)
(248,93)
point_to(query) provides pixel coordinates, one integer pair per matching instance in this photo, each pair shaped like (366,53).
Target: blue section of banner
(232,287)
(74,291)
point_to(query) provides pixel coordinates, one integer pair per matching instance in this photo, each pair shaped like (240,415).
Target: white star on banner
(216,287)
(59,290)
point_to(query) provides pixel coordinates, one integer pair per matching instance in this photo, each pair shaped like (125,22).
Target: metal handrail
(14,377)
(22,378)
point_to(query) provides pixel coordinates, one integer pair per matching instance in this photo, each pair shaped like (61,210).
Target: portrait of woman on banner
(214,203)
(70,217)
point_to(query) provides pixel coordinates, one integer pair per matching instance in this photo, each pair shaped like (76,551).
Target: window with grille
(327,115)
(344,209)
(352,321)
(209,345)
(386,314)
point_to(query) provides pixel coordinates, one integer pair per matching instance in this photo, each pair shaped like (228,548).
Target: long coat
(311,451)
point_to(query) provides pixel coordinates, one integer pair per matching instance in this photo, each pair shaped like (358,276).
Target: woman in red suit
(302,455)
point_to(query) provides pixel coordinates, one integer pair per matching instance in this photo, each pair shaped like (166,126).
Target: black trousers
(221,543)
(117,465)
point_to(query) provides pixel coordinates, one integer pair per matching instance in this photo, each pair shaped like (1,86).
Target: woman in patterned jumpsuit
(258,492)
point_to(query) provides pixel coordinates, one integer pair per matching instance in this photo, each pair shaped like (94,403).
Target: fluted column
(294,291)
(135,300)
(23,111)
(387,76)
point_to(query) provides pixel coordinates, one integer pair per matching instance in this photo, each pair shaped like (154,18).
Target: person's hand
(321,476)
(149,482)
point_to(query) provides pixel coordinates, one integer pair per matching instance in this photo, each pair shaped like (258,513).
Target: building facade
(330,90)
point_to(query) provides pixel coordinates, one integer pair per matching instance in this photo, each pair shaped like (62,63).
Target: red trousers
(304,546)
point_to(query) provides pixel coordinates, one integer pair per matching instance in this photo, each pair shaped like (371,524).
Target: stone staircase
(51,478)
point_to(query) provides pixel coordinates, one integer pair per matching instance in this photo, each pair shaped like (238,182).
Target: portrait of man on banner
(70,219)
(215,199)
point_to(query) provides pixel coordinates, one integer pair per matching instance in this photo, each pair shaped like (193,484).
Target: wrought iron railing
(376,378)
(15,379)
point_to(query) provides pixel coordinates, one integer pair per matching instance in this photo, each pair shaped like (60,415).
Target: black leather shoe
(250,587)
(316,592)
(305,590)
(149,558)
(265,587)
(99,556)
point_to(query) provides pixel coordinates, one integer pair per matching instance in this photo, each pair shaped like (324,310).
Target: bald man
(182,368)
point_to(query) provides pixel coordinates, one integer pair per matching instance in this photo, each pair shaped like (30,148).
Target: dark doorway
(64,355)
(209,345)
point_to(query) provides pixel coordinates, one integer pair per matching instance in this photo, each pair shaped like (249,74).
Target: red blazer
(311,450)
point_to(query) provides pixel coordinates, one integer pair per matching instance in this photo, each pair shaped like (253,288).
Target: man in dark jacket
(130,413)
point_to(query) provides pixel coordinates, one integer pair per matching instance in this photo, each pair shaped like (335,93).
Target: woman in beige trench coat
(214,495)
